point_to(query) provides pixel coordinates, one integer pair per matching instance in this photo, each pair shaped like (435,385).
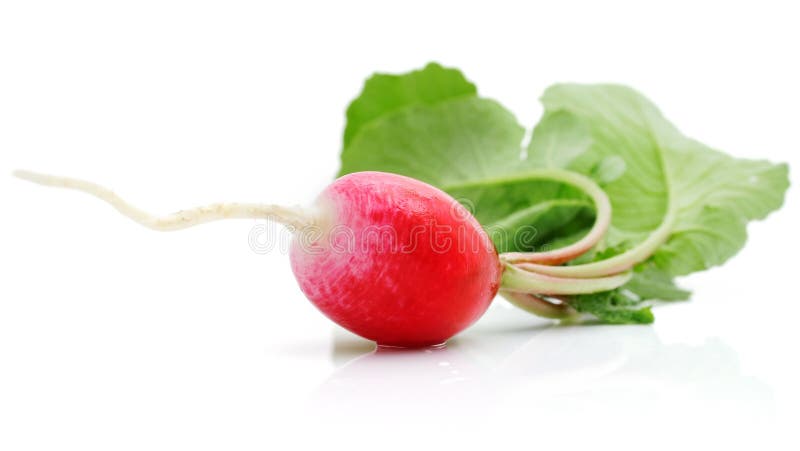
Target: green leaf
(447,143)
(701,241)
(651,283)
(667,176)
(385,93)
(557,141)
(614,307)
(609,169)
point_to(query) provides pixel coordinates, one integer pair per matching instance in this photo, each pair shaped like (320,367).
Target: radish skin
(409,288)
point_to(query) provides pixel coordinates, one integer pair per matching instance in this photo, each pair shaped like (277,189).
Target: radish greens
(677,206)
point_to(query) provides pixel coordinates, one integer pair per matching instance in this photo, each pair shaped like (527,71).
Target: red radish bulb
(387,257)
(398,262)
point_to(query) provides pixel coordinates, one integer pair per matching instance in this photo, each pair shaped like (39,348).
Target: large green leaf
(447,143)
(384,93)
(708,195)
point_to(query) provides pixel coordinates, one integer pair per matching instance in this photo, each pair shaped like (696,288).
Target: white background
(114,337)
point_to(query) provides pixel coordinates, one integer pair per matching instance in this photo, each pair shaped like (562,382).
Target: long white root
(293,217)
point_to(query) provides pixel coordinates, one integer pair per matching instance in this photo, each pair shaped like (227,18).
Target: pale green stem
(539,306)
(612,265)
(523,281)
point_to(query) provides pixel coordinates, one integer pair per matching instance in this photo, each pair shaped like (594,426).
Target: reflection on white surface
(508,363)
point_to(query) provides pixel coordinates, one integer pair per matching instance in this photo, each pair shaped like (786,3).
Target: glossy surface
(401,262)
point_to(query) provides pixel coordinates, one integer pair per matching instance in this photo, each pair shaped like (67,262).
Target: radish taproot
(393,259)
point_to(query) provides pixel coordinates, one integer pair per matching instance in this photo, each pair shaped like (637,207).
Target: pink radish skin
(433,271)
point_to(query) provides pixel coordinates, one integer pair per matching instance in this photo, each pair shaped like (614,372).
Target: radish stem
(612,265)
(294,218)
(519,280)
(539,305)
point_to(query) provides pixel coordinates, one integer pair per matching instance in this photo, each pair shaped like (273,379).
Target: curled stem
(602,221)
(295,218)
(520,280)
(612,265)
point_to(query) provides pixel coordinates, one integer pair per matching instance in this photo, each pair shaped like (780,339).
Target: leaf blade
(385,93)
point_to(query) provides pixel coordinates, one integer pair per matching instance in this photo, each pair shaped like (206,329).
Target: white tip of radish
(293,217)
(29,176)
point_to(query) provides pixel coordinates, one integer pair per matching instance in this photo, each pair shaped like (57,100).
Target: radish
(408,267)
(393,259)
(387,257)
